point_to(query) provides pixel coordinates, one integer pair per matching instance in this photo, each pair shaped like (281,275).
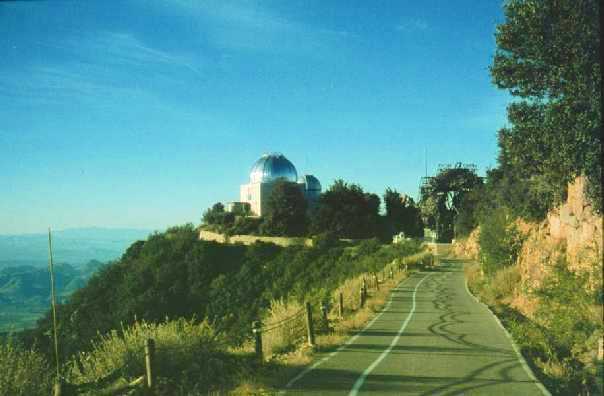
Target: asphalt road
(432,338)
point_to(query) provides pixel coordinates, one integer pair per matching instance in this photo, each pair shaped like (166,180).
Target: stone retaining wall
(250,239)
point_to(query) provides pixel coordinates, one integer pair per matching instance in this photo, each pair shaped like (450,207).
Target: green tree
(285,211)
(548,56)
(216,215)
(442,197)
(402,215)
(347,211)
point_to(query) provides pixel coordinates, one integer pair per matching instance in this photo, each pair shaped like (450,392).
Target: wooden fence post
(309,325)
(362,297)
(377,283)
(257,330)
(341,305)
(149,354)
(324,311)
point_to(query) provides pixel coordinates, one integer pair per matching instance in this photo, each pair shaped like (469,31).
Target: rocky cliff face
(572,231)
(467,248)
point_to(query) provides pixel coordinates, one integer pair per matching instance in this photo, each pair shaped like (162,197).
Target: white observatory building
(265,172)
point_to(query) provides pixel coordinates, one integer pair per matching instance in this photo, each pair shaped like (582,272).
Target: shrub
(23,372)
(217,216)
(566,309)
(504,283)
(284,326)
(188,356)
(500,240)
(245,226)
(474,278)
(325,241)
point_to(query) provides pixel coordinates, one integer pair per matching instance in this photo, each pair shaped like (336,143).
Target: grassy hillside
(174,275)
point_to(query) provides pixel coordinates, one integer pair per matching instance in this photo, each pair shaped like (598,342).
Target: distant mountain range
(25,291)
(75,246)
(78,254)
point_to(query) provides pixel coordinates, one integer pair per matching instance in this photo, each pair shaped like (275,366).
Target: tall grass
(188,357)
(23,372)
(286,323)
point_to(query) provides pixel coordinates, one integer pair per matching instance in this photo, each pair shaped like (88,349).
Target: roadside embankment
(550,297)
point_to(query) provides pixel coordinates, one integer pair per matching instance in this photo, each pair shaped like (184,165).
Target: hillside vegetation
(174,276)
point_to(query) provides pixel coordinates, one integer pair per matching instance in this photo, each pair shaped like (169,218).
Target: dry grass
(23,372)
(351,292)
(188,357)
(505,283)
(263,380)
(282,338)
(473,275)
(502,287)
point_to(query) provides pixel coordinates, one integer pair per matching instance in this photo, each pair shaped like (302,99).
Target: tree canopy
(346,211)
(216,215)
(402,214)
(442,197)
(285,211)
(548,56)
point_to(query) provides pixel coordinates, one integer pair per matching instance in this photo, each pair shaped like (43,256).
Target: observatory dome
(272,167)
(311,183)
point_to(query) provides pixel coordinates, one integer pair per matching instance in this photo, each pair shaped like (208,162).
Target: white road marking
(343,346)
(359,382)
(521,359)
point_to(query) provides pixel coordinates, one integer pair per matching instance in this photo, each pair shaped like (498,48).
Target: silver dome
(310,182)
(271,167)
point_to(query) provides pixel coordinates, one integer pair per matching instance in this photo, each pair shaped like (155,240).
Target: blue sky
(143,113)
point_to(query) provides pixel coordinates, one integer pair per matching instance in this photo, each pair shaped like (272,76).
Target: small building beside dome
(311,188)
(269,169)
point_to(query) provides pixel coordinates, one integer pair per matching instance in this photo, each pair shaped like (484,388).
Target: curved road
(432,337)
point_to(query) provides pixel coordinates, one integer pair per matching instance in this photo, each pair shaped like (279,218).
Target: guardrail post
(341,305)
(149,354)
(257,330)
(309,325)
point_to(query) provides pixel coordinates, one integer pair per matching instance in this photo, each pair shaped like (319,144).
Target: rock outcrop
(572,231)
